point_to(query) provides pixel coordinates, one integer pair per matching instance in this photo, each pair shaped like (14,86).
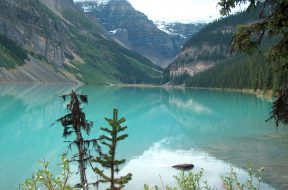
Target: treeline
(211,45)
(241,72)
(221,30)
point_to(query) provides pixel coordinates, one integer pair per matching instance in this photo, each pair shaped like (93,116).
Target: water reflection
(154,166)
(236,131)
(25,114)
(208,128)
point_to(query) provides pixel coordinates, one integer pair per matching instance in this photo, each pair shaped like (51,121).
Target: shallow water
(213,130)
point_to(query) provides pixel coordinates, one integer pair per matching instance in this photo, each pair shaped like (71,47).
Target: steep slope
(134,30)
(23,24)
(240,72)
(63,45)
(206,60)
(207,48)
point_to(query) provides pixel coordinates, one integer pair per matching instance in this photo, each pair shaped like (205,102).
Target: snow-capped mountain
(160,43)
(89,6)
(184,30)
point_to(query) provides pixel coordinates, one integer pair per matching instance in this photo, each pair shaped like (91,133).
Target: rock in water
(184,167)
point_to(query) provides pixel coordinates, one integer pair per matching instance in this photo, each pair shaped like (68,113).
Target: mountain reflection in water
(211,129)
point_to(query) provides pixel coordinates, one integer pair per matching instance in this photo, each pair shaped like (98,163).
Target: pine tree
(273,21)
(109,161)
(75,122)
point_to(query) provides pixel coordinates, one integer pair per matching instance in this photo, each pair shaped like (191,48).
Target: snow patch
(117,30)
(88,7)
(163,27)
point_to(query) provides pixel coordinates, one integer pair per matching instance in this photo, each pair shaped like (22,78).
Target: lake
(214,130)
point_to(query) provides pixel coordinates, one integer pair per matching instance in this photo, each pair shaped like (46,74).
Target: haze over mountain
(52,41)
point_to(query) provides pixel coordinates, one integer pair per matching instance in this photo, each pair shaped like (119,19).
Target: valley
(173,74)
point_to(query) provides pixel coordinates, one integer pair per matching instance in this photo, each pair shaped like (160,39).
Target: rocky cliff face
(196,59)
(134,30)
(63,45)
(30,27)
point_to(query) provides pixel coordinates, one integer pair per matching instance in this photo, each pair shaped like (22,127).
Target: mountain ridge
(68,44)
(207,48)
(135,31)
(206,59)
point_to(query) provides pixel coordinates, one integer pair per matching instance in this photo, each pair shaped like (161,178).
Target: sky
(184,11)
(178,10)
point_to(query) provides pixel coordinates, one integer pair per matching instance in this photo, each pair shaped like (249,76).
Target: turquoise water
(213,130)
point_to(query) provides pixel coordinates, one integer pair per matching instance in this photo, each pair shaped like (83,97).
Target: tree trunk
(113,149)
(81,161)
(80,146)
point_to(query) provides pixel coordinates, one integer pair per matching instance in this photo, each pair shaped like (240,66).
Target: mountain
(208,47)
(206,59)
(239,72)
(182,30)
(52,41)
(134,30)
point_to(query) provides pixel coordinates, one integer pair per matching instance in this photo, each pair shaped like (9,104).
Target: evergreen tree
(75,122)
(109,160)
(273,21)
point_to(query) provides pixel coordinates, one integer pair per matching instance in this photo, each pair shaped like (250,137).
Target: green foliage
(186,181)
(11,54)
(44,179)
(195,181)
(75,123)
(240,72)
(231,181)
(191,181)
(279,109)
(273,21)
(147,187)
(181,79)
(108,160)
(105,60)
(220,32)
(237,71)
(210,45)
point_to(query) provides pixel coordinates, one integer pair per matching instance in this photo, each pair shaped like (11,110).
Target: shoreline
(263,94)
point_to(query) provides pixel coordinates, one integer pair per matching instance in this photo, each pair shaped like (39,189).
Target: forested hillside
(206,48)
(221,68)
(241,72)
